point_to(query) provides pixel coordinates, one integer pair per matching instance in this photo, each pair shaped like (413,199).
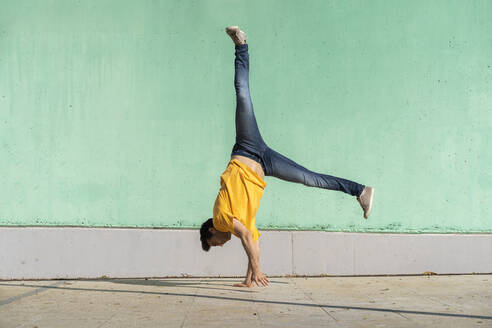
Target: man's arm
(253,251)
(247,280)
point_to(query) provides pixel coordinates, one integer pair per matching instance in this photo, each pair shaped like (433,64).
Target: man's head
(209,236)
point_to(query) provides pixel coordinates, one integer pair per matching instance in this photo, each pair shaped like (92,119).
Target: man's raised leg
(247,132)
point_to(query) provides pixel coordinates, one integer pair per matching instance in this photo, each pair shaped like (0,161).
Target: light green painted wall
(121,113)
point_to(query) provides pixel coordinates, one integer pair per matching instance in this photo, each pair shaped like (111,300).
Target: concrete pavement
(395,301)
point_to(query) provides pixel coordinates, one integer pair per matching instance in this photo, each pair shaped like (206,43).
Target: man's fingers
(263,280)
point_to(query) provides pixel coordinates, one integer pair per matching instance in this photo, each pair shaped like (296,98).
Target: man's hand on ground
(253,250)
(246,283)
(259,277)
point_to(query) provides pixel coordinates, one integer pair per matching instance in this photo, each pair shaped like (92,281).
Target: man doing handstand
(242,183)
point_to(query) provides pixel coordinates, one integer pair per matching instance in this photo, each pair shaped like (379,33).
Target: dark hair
(205,234)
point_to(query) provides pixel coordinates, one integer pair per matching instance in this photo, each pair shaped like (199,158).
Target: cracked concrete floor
(396,301)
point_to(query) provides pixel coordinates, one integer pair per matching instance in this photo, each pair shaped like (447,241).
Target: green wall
(121,113)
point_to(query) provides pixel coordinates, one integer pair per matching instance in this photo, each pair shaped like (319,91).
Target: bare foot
(236,35)
(365,200)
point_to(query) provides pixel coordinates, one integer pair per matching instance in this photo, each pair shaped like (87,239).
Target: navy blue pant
(249,142)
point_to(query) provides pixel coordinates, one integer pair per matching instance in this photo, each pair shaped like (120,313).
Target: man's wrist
(255,268)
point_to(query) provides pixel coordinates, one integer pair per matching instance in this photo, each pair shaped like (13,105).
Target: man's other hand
(259,277)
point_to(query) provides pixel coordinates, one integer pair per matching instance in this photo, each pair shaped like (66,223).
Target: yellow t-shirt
(239,197)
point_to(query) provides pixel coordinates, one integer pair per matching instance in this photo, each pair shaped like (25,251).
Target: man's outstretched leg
(284,168)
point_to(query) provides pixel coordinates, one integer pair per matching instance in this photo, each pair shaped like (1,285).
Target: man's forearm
(252,252)
(250,268)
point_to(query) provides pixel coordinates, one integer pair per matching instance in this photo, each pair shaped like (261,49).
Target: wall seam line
(291,253)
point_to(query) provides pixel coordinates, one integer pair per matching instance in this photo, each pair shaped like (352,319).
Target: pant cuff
(242,47)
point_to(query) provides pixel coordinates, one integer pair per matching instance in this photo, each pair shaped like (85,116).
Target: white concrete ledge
(52,252)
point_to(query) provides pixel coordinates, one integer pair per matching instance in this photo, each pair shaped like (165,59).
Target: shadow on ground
(199,284)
